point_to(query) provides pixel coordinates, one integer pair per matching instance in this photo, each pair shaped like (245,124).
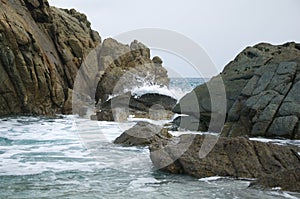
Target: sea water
(71,157)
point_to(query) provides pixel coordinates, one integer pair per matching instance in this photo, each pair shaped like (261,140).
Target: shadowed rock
(287,180)
(151,105)
(143,134)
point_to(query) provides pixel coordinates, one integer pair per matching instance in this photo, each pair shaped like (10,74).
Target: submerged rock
(262,94)
(287,180)
(143,134)
(235,157)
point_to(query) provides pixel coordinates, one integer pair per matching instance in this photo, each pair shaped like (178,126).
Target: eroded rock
(262,93)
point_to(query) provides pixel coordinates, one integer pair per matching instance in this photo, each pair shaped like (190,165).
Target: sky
(222,28)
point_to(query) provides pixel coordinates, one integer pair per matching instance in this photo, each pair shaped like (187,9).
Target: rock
(152,99)
(151,105)
(287,180)
(157,60)
(41,48)
(236,157)
(143,134)
(283,126)
(127,67)
(262,93)
(188,123)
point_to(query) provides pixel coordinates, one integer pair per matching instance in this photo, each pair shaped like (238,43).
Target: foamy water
(71,157)
(75,158)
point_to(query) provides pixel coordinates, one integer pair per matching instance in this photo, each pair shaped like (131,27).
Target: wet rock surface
(127,67)
(150,105)
(143,134)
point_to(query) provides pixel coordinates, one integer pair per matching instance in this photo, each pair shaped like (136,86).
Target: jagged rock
(287,180)
(127,67)
(262,93)
(143,134)
(41,50)
(236,157)
(151,105)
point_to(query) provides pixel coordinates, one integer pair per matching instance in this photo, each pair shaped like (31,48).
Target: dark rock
(236,157)
(157,60)
(41,48)
(143,134)
(287,180)
(151,105)
(262,88)
(188,123)
(151,99)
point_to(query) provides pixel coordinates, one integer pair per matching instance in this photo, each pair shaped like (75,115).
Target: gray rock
(283,126)
(262,83)
(289,108)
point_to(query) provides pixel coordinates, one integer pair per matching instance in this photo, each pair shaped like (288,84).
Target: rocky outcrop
(143,134)
(287,180)
(150,105)
(236,157)
(262,93)
(41,49)
(127,67)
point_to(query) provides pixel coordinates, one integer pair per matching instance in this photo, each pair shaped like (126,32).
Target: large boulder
(127,67)
(41,49)
(262,93)
(236,157)
(143,134)
(287,180)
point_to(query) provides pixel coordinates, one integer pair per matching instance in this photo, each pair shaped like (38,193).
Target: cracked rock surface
(262,93)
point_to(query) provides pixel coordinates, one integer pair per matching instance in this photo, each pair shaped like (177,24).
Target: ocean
(73,157)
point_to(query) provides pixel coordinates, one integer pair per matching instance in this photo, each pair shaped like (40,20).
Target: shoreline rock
(143,134)
(262,94)
(235,157)
(286,180)
(41,50)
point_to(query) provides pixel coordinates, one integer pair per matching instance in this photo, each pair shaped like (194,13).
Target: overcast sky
(221,27)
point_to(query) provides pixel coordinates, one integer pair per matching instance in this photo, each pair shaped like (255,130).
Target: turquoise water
(70,157)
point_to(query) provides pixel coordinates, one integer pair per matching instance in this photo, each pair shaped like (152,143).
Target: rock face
(235,157)
(127,67)
(287,180)
(143,134)
(41,49)
(262,87)
(151,105)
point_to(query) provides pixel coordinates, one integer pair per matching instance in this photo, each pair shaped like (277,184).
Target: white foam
(277,141)
(213,178)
